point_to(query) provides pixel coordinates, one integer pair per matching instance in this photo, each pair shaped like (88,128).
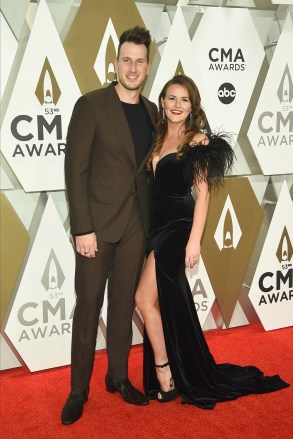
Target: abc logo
(226,93)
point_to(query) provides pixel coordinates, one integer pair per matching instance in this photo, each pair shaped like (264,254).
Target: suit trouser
(121,264)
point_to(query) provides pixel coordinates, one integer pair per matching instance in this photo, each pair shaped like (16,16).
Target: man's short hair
(136,35)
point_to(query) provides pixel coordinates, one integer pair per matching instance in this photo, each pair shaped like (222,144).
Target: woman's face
(176,103)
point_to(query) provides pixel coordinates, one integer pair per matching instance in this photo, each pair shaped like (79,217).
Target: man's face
(132,66)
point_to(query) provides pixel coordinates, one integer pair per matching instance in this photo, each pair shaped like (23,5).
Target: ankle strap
(162,365)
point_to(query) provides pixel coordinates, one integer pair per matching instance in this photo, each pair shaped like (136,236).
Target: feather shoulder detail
(210,162)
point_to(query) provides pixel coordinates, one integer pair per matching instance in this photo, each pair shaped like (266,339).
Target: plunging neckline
(155,167)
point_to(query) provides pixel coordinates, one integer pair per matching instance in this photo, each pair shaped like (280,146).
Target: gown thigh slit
(198,379)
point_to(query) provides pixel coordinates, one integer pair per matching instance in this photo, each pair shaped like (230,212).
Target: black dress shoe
(73,408)
(129,393)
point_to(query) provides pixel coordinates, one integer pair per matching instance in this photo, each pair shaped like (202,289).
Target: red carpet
(31,402)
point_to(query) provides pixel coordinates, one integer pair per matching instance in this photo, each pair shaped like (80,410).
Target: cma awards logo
(32,133)
(48,91)
(104,64)
(285,250)
(200,296)
(277,126)
(228,231)
(278,286)
(38,317)
(53,277)
(226,59)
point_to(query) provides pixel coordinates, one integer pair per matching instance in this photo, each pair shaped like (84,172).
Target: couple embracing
(138,182)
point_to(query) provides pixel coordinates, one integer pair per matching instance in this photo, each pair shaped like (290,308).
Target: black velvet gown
(198,379)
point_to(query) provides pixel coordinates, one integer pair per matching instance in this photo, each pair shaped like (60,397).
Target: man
(109,139)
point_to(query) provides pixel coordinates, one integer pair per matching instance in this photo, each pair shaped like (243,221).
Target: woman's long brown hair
(192,126)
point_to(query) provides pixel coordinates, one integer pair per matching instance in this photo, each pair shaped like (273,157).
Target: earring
(190,116)
(163,116)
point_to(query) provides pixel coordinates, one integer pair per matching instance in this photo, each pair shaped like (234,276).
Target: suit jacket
(100,166)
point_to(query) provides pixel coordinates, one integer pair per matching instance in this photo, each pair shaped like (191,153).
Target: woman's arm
(192,252)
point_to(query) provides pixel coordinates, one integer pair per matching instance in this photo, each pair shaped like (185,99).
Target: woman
(176,356)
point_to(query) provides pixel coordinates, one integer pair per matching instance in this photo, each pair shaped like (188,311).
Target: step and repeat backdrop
(240,55)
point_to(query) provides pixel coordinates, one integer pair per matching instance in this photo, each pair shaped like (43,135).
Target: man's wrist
(83,233)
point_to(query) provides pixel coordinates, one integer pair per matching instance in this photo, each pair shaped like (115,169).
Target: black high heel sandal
(172,393)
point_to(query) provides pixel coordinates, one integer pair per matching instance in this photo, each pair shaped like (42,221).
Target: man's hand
(86,245)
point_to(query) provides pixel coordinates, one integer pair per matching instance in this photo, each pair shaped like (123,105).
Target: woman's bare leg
(146,299)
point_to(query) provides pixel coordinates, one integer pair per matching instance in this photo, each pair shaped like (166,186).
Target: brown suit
(107,194)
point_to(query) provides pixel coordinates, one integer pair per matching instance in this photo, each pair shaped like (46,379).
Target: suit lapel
(153,122)
(119,123)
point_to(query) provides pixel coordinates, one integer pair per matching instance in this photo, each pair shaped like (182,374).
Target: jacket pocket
(100,195)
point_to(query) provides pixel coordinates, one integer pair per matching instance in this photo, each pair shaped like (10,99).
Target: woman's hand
(192,254)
